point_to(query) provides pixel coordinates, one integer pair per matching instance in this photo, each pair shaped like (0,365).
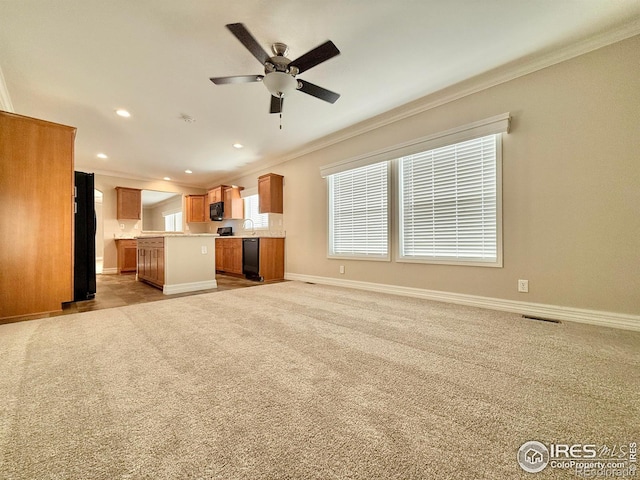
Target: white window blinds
(251,211)
(449,203)
(359,213)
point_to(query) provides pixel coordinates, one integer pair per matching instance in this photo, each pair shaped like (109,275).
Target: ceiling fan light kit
(280,72)
(280,84)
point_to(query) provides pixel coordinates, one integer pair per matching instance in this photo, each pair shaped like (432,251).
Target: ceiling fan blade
(318,92)
(276,104)
(320,54)
(237,79)
(251,44)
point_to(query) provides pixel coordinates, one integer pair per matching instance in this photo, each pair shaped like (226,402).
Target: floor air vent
(540,319)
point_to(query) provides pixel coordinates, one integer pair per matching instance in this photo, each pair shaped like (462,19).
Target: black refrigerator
(84,267)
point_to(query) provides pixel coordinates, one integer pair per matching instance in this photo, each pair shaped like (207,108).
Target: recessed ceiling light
(166,178)
(101,155)
(238,145)
(123,113)
(188,171)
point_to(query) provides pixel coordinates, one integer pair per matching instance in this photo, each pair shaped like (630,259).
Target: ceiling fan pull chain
(280,112)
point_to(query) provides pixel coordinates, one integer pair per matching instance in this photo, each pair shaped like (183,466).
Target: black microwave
(216,211)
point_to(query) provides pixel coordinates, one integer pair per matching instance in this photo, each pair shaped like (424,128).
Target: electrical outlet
(523,286)
(342,269)
(204,249)
(122,226)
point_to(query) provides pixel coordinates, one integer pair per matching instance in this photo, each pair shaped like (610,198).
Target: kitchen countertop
(155,235)
(252,236)
(186,235)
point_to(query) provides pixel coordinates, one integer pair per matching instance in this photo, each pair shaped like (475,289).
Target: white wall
(571,189)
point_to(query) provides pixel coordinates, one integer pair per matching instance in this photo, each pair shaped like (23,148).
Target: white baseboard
(110,271)
(189,287)
(592,317)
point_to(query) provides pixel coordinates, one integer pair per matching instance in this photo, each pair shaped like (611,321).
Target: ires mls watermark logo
(584,460)
(533,456)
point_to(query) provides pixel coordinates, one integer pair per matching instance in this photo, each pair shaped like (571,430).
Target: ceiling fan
(280,72)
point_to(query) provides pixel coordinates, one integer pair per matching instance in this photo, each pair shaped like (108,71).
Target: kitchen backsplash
(243,227)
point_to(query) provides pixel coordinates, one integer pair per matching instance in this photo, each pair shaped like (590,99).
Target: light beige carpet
(299,381)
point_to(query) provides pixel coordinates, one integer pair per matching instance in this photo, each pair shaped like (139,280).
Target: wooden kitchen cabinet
(271,257)
(129,203)
(197,208)
(229,255)
(215,195)
(219,255)
(271,262)
(36,215)
(127,255)
(151,260)
(270,193)
(233,203)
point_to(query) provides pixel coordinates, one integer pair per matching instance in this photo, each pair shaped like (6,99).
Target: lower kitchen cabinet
(229,255)
(127,254)
(151,260)
(271,259)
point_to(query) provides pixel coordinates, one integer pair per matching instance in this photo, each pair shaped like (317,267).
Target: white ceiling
(76,61)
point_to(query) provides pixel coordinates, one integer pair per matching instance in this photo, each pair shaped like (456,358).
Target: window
(449,201)
(359,213)
(446,190)
(172,222)
(251,211)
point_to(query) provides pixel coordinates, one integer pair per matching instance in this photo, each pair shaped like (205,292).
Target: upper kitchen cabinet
(270,193)
(36,215)
(215,195)
(233,203)
(129,203)
(197,208)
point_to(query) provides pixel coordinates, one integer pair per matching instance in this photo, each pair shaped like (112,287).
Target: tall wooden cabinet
(36,216)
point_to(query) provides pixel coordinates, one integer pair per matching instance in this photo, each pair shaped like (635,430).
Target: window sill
(359,257)
(443,261)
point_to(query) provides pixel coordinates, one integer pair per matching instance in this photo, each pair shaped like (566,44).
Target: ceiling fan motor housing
(280,63)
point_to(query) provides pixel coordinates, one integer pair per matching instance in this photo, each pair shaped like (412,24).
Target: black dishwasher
(251,258)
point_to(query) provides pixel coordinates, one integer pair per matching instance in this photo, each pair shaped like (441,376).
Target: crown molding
(484,81)
(5,99)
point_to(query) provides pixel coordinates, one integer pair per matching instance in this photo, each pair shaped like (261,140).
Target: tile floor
(120,290)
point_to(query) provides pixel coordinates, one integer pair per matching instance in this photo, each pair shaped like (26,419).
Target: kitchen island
(177,263)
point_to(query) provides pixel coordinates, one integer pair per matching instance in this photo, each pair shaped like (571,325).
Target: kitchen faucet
(253,230)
